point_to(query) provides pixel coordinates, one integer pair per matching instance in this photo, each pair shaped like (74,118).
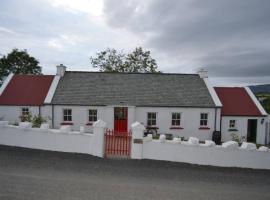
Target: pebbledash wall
(242,126)
(190,118)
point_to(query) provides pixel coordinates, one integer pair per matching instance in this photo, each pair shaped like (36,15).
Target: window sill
(152,127)
(204,128)
(67,123)
(232,129)
(176,128)
(89,124)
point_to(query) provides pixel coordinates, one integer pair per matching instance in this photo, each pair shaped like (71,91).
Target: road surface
(32,174)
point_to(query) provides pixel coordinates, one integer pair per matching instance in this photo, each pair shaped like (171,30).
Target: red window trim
(67,123)
(177,128)
(89,124)
(204,128)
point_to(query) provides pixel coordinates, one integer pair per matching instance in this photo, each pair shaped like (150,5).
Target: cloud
(229,38)
(6,30)
(93,7)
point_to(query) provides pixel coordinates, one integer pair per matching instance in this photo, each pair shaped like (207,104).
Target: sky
(229,38)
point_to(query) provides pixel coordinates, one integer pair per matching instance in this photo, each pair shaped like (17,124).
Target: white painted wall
(215,156)
(12,113)
(190,121)
(80,115)
(190,118)
(241,126)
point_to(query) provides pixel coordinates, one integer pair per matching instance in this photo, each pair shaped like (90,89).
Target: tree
(18,62)
(109,61)
(140,61)
(112,61)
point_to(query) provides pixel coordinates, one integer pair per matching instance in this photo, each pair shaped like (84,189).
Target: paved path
(32,174)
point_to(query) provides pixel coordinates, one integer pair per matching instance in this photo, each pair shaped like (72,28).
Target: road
(32,174)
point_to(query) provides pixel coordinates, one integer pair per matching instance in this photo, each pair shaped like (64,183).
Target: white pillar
(137,140)
(98,138)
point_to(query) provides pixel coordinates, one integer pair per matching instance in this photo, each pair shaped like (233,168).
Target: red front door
(120,119)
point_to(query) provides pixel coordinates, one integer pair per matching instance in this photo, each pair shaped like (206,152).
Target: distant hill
(260,88)
(262,93)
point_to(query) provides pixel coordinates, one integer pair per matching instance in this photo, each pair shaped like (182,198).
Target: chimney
(203,73)
(61,69)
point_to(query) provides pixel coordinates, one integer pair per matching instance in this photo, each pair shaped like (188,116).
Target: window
(204,119)
(25,111)
(67,115)
(232,123)
(92,115)
(151,119)
(176,119)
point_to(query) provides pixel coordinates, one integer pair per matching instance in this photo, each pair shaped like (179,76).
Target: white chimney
(61,69)
(203,73)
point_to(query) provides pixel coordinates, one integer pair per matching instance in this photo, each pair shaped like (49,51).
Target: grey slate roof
(134,89)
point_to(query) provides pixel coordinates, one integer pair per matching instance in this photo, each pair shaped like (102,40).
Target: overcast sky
(229,38)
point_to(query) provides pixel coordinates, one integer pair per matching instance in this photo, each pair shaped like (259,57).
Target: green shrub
(37,121)
(26,118)
(235,137)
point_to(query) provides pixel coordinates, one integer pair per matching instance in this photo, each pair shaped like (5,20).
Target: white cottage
(242,114)
(178,104)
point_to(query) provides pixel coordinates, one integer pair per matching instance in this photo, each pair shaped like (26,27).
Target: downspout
(215,119)
(52,116)
(39,111)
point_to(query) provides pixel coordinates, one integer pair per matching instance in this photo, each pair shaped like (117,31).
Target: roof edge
(212,93)
(6,82)
(52,89)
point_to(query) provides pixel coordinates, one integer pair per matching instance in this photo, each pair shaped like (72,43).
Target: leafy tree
(18,62)
(140,61)
(111,60)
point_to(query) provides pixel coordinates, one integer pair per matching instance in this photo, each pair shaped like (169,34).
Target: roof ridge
(154,73)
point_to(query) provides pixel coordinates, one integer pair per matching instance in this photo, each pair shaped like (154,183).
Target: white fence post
(137,140)
(98,138)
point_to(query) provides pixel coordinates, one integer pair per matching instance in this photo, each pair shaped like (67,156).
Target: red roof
(27,90)
(236,102)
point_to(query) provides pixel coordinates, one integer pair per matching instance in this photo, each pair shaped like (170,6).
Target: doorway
(252,130)
(120,119)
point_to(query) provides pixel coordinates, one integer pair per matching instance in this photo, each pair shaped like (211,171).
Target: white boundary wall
(146,148)
(202,155)
(55,140)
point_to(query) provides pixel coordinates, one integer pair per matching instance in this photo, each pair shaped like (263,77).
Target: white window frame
(68,115)
(88,115)
(235,122)
(151,119)
(180,118)
(23,112)
(204,119)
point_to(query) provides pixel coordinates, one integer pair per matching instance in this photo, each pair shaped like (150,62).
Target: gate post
(137,140)
(98,138)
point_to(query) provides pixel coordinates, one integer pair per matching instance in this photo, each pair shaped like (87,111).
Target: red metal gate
(117,143)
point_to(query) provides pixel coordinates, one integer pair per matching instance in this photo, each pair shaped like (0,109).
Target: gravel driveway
(33,174)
